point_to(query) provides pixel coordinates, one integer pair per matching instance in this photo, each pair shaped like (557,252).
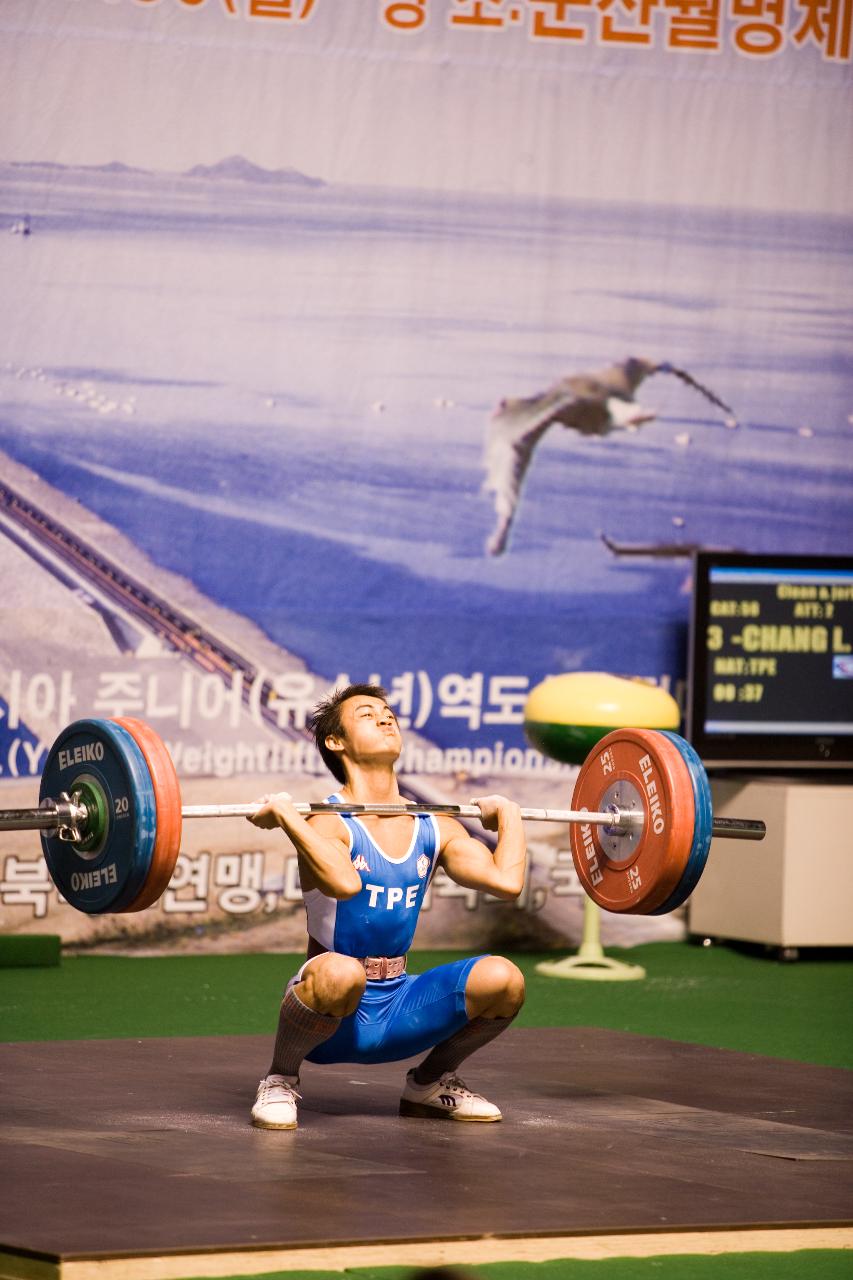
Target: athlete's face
(370,728)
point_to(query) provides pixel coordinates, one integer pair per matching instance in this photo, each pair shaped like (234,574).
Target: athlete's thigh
(429,1009)
(359,1035)
(390,1025)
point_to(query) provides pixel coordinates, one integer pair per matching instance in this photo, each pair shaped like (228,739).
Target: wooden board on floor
(135,1148)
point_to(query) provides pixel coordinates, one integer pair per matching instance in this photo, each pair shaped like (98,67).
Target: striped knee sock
(456,1048)
(300,1029)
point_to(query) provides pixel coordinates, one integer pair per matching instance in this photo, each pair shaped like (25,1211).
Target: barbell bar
(72,814)
(110,817)
(619,819)
(67,813)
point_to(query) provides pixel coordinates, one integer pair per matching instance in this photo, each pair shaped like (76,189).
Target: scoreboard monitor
(770,676)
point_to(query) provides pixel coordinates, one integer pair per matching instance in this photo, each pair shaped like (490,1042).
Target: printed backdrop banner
(415,342)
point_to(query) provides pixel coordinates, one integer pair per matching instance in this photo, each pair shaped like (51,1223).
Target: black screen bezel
(741,749)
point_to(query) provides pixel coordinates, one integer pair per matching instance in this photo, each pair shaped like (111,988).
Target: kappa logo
(360,863)
(423,865)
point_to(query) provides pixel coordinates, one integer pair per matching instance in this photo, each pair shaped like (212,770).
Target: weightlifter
(363,883)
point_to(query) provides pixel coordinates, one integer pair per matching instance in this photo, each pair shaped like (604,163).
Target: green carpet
(730,998)
(806,1264)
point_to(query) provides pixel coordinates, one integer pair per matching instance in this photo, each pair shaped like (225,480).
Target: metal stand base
(590,962)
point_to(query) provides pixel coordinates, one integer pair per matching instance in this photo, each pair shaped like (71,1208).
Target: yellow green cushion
(565,716)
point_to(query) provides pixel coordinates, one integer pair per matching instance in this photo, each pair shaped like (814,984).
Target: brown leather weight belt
(378,968)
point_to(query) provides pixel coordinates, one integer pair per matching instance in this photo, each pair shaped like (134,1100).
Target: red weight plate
(643,873)
(167,793)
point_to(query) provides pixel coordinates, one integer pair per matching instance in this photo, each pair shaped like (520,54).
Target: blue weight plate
(110,875)
(702,830)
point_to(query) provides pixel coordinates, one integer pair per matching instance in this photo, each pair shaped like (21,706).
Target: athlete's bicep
(330,825)
(317,858)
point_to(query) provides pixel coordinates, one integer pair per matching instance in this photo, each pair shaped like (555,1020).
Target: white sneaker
(275,1105)
(447,1098)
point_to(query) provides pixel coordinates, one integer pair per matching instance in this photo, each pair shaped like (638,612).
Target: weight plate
(108,875)
(703,827)
(636,881)
(167,793)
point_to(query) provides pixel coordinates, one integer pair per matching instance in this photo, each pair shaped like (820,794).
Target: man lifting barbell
(641,826)
(363,883)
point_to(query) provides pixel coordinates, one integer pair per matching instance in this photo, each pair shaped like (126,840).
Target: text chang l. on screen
(770,680)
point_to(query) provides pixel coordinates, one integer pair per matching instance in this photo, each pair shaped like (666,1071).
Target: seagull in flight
(592,403)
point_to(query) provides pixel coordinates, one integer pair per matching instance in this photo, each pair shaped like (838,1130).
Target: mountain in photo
(240,169)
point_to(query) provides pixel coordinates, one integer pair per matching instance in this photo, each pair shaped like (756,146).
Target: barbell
(110,817)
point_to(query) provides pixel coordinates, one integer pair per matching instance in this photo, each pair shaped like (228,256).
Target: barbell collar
(50,816)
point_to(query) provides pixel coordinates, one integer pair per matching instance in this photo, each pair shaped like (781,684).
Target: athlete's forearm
(510,856)
(325,858)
